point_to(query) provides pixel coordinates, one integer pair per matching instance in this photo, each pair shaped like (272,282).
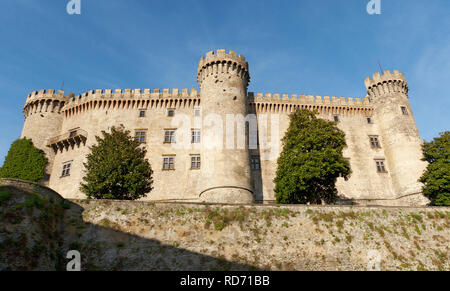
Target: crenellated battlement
(48,93)
(222,56)
(222,62)
(134,94)
(131,99)
(46,101)
(325,105)
(385,83)
(294,98)
(387,76)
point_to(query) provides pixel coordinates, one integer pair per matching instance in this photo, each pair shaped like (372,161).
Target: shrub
(24,161)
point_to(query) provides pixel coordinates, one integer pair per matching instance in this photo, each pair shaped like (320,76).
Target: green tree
(436,178)
(24,161)
(311,160)
(116,168)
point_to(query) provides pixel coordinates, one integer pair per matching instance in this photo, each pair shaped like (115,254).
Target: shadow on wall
(38,227)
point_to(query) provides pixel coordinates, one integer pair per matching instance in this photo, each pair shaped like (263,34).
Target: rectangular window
(141,113)
(168,163)
(255,163)
(336,118)
(66,169)
(374,142)
(369,120)
(195,162)
(197,112)
(253,136)
(171,112)
(404,110)
(140,136)
(196,136)
(169,136)
(381,168)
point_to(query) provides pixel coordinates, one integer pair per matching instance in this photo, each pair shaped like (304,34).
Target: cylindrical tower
(398,129)
(225,171)
(43,120)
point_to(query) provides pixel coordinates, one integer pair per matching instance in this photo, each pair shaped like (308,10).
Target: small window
(73,133)
(196,136)
(66,169)
(255,163)
(195,162)
(374,142)
(369,120)
(141,113)
(168,163)
(141,136)
(169,136)
(197,112)
(381,168)
(336,118)
(404,110)
(171,112)
(253,136)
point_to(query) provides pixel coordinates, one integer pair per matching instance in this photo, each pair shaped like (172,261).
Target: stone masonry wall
(99,111)
(38,228)
(279,238)
(226,174)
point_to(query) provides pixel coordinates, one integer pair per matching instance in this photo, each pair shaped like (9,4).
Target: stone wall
(223,78)
(181,183)
(275,238)
(38,228)
(31,227)
(185,184)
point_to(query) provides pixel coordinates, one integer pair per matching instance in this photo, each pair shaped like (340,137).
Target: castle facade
(220,144)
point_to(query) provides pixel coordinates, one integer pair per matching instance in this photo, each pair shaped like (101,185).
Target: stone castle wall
(39,228)
(224,78)
(101,114)
(279,238)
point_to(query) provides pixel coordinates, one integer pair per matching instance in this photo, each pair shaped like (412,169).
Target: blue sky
(319,47)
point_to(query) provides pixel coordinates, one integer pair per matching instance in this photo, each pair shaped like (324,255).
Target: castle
(220,144)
